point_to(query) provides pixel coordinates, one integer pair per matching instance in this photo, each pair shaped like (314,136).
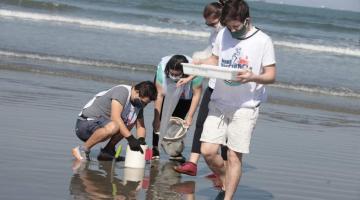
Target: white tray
(211,71)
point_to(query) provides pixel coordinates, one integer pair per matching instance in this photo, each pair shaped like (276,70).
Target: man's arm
(212,60)
(268,76)
(140,128)
(157,107)
(116,110)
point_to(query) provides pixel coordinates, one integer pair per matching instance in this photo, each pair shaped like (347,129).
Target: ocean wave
(76,61)
(324,25)
(160,30)
(39,5)
(100,23)
(320,48)
(340,92)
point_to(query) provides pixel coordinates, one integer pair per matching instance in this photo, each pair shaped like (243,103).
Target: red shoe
(188,168)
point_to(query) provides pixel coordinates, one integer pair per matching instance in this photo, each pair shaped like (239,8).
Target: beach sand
(296,153)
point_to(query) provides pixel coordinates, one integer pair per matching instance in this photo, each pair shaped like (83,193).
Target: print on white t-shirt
(253,54)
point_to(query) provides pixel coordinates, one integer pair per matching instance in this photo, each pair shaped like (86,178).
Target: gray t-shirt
(101,105)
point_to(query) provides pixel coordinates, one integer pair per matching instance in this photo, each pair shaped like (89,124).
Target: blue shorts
(84,128)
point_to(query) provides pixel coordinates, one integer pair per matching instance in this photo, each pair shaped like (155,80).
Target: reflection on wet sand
(101,180)
(97,180)
(165,183)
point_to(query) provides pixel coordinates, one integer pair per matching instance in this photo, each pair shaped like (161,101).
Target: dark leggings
(180,111)
(202,114)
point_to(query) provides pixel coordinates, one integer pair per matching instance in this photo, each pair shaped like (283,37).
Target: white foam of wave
(320,48)
(98,63)
(99,23)
(325,91)
(157,30)
(58,59)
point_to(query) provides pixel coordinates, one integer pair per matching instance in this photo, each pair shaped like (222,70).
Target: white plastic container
(211,71)
(133,174)
(135,159)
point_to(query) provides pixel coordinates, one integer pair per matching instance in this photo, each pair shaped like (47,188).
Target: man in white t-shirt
(234,105)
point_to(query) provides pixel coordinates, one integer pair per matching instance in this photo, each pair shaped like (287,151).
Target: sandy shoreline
(296,153)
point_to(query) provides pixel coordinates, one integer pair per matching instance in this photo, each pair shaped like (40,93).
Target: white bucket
(133,174)
(135,159)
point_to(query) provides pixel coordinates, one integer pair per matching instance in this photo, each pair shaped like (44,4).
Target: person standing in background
(211,14)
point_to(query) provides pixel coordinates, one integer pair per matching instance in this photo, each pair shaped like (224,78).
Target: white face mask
(174,78)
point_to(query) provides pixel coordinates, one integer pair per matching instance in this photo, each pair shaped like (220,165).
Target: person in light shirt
(234,105)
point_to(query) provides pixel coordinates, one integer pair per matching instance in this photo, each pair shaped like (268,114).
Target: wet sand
(296,153)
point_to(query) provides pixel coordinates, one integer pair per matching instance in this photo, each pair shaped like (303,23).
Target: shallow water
(296,153)
(316,49)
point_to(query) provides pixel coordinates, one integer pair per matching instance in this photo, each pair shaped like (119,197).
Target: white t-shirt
(255,53)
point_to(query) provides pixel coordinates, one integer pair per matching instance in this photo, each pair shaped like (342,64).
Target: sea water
(317,50)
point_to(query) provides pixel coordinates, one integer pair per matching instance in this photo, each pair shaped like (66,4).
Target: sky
(353,5)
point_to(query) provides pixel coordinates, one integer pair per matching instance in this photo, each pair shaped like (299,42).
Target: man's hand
(142,140)
(134,144)
(196,61)
(245,76)
(183,81)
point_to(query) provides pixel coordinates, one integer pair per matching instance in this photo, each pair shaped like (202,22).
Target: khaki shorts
(231,129)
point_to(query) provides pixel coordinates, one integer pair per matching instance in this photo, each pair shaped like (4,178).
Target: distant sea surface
(317,50)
